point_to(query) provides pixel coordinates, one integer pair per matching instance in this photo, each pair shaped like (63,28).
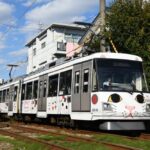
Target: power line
(20,17)
(10,27)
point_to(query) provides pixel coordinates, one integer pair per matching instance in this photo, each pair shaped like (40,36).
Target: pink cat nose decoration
(130,109)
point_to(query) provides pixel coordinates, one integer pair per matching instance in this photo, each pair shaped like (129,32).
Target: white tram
(108,89)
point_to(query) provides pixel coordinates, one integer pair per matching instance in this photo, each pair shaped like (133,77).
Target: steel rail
(84,139)
(19,136)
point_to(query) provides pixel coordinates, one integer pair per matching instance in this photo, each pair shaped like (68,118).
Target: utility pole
(11,68)
(102,6)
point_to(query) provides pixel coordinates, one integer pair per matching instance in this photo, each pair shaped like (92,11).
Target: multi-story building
(51,43)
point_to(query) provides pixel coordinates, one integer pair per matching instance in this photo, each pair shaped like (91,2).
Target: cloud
(6,21)
(28,3)
(6,11)
(17,53)
(59,11)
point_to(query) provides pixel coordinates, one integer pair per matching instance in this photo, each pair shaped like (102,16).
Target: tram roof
(122,56)
(59,64)
(63,63)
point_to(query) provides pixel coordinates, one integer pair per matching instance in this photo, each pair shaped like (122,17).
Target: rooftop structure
(51,43)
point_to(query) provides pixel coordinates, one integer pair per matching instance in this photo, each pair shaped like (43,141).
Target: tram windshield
(119,75)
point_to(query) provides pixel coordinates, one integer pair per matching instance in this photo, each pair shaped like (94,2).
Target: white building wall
(46,54)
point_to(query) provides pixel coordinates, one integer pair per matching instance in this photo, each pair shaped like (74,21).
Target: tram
(104,89)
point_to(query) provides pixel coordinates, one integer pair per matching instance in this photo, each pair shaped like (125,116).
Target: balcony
(61,49)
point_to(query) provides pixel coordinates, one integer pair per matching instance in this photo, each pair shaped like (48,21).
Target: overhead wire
(10,27)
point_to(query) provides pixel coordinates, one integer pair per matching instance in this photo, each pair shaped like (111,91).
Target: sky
(21,20)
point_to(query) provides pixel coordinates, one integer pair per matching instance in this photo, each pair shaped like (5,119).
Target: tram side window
(7,95)
(15,93)
(40,89)
(4,94)
(68,82)
(62,83)
(29,91)
(44,89)
(77,79)
(23,92)
(11,94)
(85,80)
(53,84)
(0,96)
(35,89)
(95,82)
(65,83)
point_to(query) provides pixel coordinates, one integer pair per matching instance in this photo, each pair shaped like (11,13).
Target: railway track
(22,135)
(142,136)
(70,136)
(145,136)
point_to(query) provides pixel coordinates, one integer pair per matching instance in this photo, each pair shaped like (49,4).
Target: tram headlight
(140,98)
(148,107)
(116,98)
(107,107)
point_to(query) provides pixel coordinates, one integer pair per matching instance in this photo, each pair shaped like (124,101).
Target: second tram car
(108,89)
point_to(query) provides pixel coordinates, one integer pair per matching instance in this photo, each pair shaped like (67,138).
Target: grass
(52,138)
(116,139)
(62,141)
(20,145)
(145,145)
(83,146)
(76,145)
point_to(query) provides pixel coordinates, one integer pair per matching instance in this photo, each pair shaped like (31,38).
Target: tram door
(11,97)
(42,93)
(81,87)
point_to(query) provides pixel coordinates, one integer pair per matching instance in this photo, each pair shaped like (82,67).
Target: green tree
(128,25)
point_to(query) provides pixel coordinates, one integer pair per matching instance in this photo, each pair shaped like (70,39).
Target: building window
(61,46)
(73,38)
(34,51)
(43,44)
